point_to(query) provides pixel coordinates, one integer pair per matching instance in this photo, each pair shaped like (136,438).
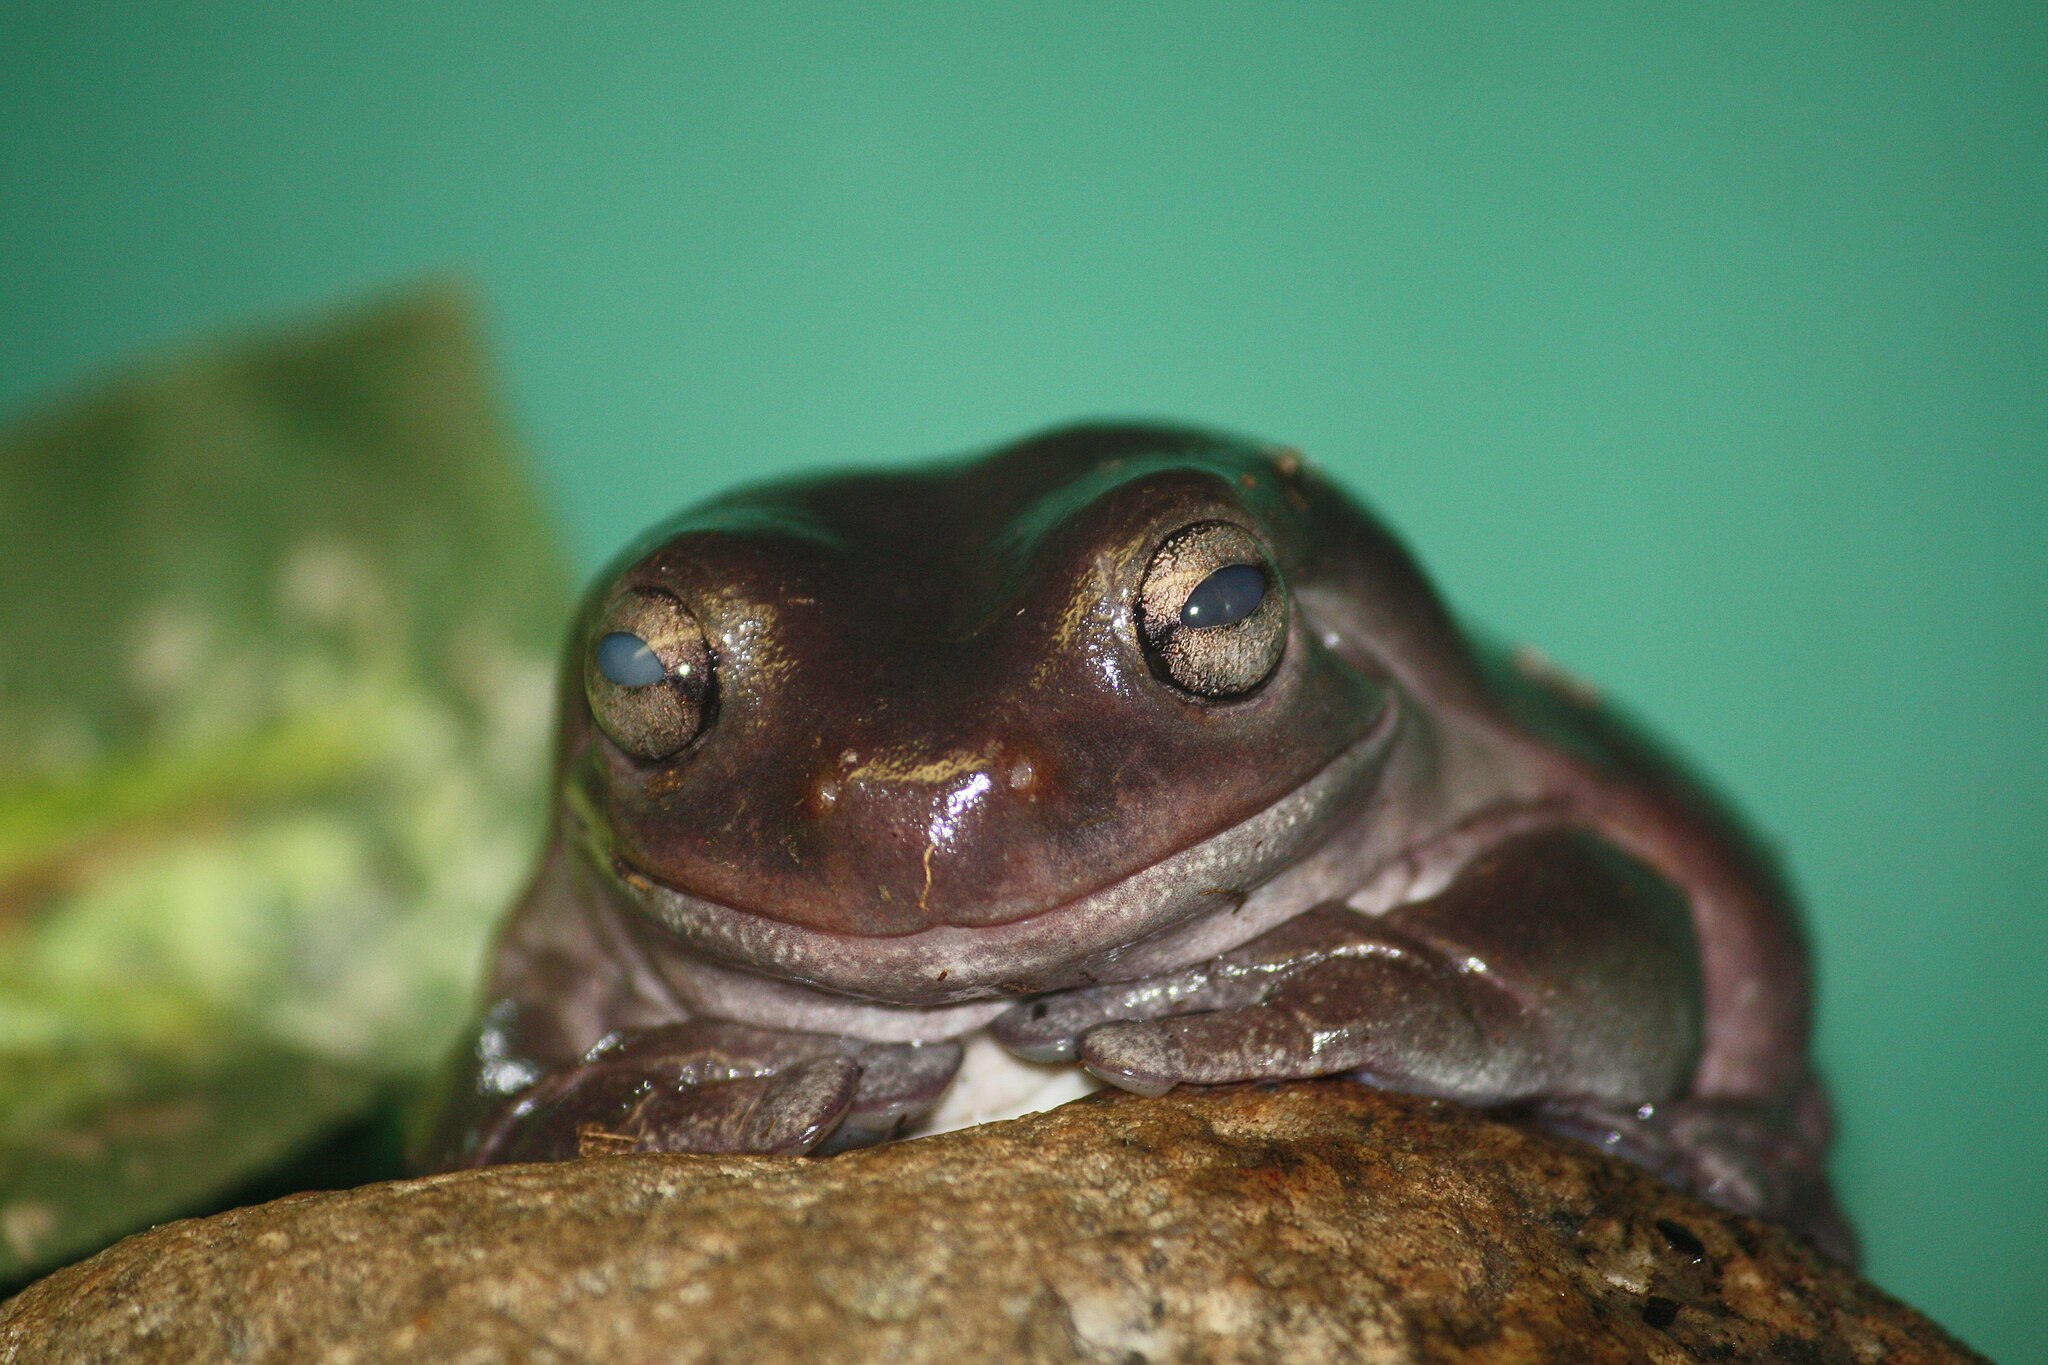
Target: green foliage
(276,636)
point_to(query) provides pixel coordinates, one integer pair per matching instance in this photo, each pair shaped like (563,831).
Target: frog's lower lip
(1113,932)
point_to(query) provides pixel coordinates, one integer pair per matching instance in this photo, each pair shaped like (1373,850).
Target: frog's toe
(1049,1028)
(1133,1056)
(1401,1021)
(899,1079)
(790,1112)
(1044,1030)
(1151,1057)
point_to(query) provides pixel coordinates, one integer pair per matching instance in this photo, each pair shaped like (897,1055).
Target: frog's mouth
(1202,900)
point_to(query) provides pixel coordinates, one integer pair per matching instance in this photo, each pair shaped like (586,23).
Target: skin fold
(970,751)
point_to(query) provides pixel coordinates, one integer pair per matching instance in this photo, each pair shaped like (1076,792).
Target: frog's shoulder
(1578,719)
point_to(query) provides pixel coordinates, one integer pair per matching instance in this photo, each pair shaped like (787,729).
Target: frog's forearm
(1553,966)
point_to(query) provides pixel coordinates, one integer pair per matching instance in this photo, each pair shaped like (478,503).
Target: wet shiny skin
(1140,749)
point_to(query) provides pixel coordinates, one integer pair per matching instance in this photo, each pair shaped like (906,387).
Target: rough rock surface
(1297,1223)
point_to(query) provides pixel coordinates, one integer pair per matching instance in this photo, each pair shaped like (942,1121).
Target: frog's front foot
(711,1086)
(1553,965)
(1328,992)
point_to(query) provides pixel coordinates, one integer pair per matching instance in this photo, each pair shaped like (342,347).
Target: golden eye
(1212,611)
(647,673)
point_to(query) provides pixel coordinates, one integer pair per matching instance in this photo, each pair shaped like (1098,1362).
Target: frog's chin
(1205,899)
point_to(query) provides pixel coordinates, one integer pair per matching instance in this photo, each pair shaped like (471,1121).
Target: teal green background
(1707,349)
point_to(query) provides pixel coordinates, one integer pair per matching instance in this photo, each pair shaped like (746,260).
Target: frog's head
(907,734)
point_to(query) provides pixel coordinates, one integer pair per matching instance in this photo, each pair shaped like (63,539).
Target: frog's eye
(648,673)
(628,661)
(1212,612)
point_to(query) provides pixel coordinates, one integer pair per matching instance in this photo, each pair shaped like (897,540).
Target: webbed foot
(1553,964)
(1764,1158)
(710,1086)
(1328,992)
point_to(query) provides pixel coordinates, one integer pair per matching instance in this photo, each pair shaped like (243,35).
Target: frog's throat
(1201,900)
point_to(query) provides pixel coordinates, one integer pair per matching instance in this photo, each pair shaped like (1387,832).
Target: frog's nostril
(822,796)
(944,792)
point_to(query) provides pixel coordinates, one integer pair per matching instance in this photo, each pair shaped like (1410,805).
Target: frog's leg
(580,1050)
(1553,965)
(711,1086)
(696,1086)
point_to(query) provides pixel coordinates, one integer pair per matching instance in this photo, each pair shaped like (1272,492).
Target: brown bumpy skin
(945,756)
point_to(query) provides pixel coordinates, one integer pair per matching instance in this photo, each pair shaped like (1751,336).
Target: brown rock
(1298,1223)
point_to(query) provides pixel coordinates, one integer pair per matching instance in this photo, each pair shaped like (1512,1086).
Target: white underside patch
(993,1084)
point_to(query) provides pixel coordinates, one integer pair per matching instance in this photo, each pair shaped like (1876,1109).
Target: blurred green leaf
(277,625)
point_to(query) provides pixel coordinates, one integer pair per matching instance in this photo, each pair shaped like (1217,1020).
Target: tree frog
(1128,754)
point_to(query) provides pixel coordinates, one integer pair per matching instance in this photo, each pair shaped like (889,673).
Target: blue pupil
(1225,597)
(626,660)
